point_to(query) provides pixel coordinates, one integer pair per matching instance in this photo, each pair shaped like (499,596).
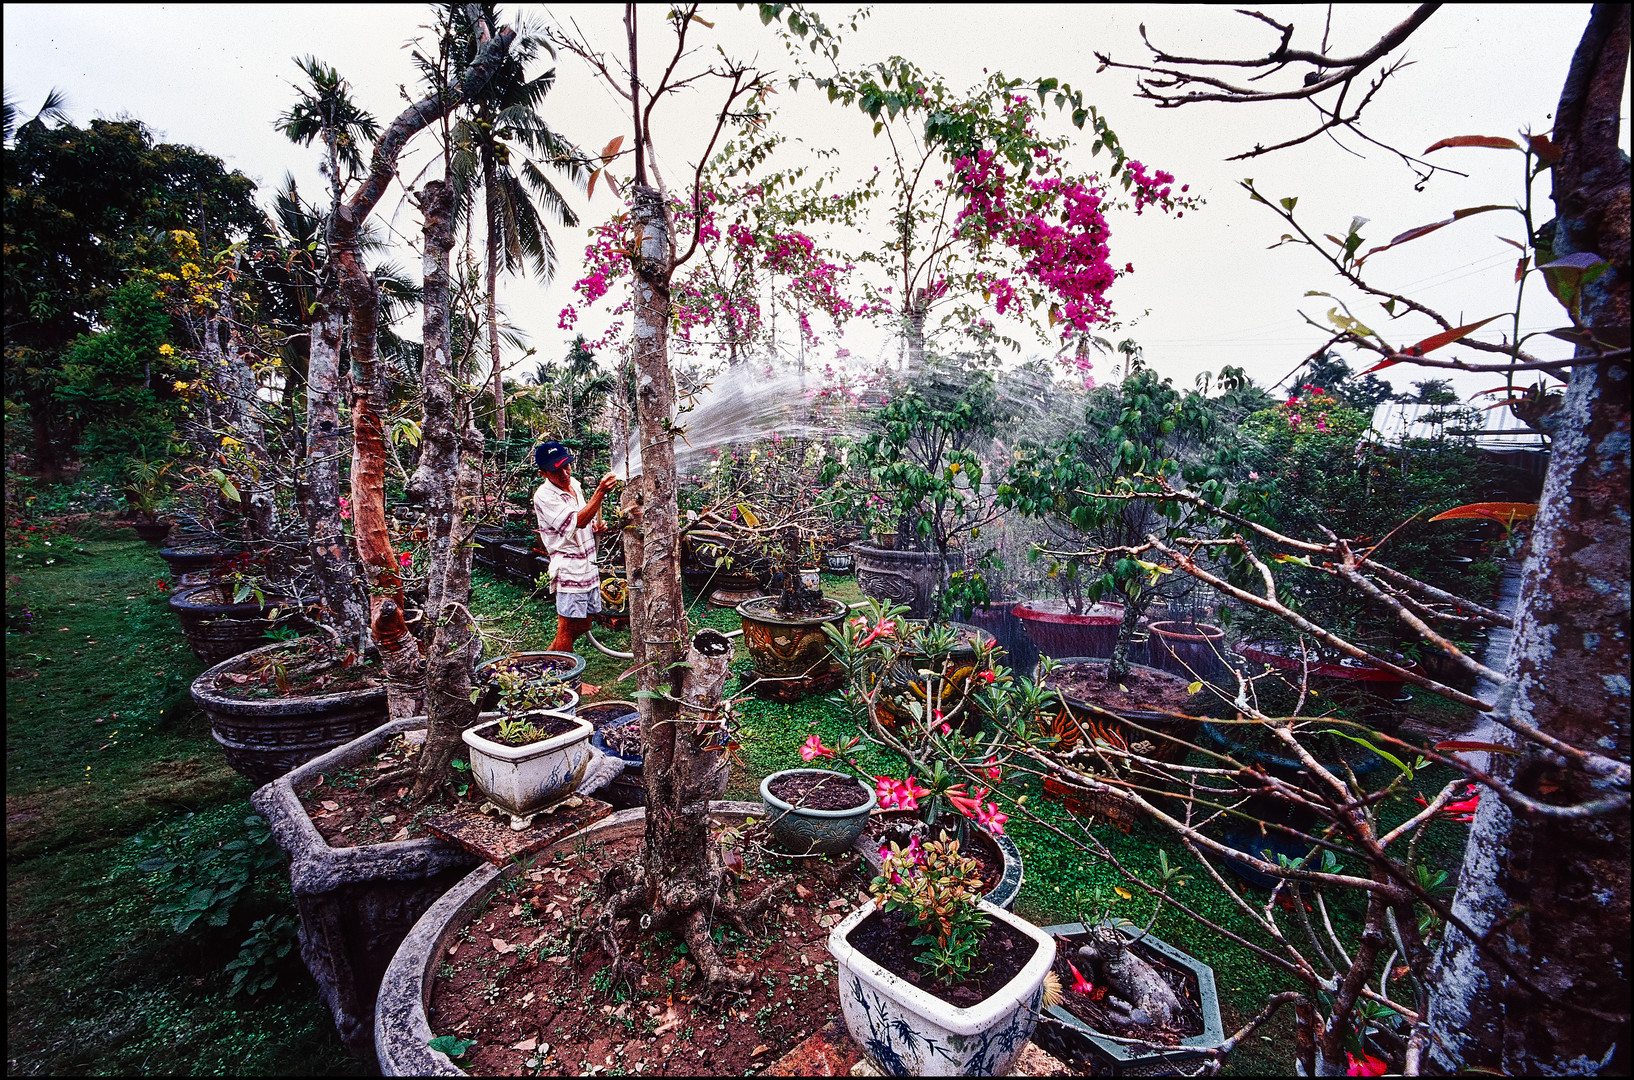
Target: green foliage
(919,471)
(452,1045)
(208,885)
(936,888)
(256,967)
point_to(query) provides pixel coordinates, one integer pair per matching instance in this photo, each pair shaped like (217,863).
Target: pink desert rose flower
(813,748)
(1366,1065)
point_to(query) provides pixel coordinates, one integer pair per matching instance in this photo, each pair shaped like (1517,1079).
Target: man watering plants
(567,527)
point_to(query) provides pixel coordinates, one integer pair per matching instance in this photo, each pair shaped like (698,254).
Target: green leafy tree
(1135,437)
(84,207)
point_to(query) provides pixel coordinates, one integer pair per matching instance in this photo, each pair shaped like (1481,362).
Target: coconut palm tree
(502,146)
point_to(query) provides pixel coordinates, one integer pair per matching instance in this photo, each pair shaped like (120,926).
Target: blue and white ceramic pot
(523,780)
(908,1031)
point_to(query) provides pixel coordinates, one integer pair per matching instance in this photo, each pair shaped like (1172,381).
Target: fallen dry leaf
(802,892)
(502,948)
(526,1044)
(757,1051)
(454,948)
(331,805)
(401,834)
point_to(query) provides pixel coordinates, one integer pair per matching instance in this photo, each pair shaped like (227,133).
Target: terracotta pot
(264,738)
(912,578)
(216,628)
(401,1028)
(908,1031)
(1058,632)
(794,648)
(355,903)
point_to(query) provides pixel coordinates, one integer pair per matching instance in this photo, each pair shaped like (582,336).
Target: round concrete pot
(154,532)
(1190,650)
(216,628)
(263,738)
(355,903)
(401,1030)
(800,831)
(908,1031)
(913,578)
(199,556)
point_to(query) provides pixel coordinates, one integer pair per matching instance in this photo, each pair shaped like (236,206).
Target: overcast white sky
(1206,291)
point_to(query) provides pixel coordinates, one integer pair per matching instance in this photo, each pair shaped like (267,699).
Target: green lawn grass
(108,762)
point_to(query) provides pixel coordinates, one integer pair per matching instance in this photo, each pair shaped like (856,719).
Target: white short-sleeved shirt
(572,549)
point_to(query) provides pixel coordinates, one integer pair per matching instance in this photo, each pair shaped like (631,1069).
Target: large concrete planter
(357,903)
(216,628)
(1122,1059)
(907,1031)
(401,1029)
(914,578)
(263,738)
(197,555)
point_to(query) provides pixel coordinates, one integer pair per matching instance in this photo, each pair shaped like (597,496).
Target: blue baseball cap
(552,456)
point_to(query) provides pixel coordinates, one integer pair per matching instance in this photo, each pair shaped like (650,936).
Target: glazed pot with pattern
(793,647)
(912,578)
(906,690)
(263,738)
(801,831)
(523,780)
(906,1030)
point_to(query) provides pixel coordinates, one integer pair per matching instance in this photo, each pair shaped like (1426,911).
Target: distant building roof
(1397,420)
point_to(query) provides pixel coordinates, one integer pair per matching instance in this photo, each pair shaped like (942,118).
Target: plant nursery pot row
(198,555)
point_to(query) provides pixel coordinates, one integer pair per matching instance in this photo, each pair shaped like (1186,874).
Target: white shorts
(578,605)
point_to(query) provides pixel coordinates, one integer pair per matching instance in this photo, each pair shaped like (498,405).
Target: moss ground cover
(110,768)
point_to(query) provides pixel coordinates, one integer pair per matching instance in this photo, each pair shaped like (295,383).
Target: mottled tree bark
(1552,894)
(445,481)
(399,653)
(490,199)
(340,589)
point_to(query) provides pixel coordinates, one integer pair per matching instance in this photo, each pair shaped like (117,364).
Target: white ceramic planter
(907,1031)
(524,780)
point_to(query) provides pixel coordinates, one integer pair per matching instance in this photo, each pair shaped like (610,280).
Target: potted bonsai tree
(935,981)
(921,471)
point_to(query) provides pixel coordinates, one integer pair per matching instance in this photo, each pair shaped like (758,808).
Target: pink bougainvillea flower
(1366,1065)
(813,748)
(1080,985)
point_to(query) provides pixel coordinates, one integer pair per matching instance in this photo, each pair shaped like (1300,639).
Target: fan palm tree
(502,146)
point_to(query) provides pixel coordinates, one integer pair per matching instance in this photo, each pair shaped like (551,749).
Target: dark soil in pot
(1095,1010)
(887,938)
(313,673)
(624,739)
(549,726)
(1142,688)
(350,809)
(507,979)
(602,713)
(810,791)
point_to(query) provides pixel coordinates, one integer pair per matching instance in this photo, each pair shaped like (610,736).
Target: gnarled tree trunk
(1552,894)
(339,589)
(445,481)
